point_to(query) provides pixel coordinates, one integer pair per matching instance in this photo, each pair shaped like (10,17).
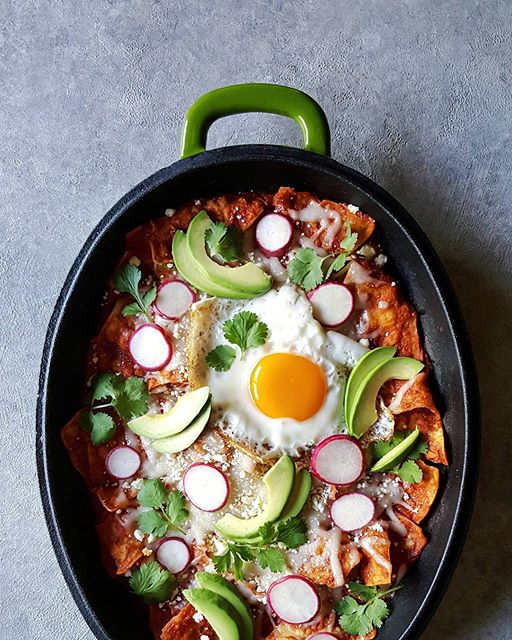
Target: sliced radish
(206,487)
(274,233)
(174,554)
(173,299)
(294,599)
(338,460)
(323,635)
(352,511)
(332,303)
(150,347)
(122,462)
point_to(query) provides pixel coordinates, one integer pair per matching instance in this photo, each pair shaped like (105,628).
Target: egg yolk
(285,385)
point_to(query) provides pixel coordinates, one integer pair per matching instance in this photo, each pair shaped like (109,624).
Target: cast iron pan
(111,612)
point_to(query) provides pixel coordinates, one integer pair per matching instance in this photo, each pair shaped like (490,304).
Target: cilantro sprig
(245,331)
(407,468)
(224,242)
(152,582)
(166,508)
(128,398)
(289,533)
(128,280)
(359,618)
(307,268)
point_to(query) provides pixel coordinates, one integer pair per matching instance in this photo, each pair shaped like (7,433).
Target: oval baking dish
(111,612)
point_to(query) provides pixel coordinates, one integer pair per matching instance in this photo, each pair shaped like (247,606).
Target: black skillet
(110,611)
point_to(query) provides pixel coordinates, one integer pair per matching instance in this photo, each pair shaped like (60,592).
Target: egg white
(292,329)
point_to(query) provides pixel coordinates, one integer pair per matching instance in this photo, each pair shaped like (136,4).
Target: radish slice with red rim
(274,234)
(352,511)
(205,486)
(338,460)
(174,554)
(122,462)
(173,299)
(332,303)
(294,599)
(322,635)
(150,347)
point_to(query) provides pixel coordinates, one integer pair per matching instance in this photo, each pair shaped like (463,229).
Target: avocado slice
(363,367)
(222,616)
(396,454)
(300,493)
(181,441)
(222,587)
(364,413)
(296,501)
(278,482)
(188,271)
(247,281)
(163,425)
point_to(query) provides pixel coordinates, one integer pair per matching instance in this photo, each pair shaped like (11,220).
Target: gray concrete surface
(92,93)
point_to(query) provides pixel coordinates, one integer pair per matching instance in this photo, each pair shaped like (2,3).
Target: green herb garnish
(307,268)
(127,280)
(167,508)
(224,242)
(243,330)
(152,582)
(291,533)
(129,398)
(407,469)
(359,619)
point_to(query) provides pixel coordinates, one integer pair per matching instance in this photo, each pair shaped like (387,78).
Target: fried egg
(286,394)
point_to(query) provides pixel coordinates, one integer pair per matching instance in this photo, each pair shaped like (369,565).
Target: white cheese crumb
(138,535)
(365,342)
(147,552)
(203,637)
(353,208)
(170,212)
(198,617)
(380,260)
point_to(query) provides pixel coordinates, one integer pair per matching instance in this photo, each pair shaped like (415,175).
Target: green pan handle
(251,98)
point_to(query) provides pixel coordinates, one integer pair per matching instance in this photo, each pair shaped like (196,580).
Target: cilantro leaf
(378,611)
(152,494)
(305,269)
(233,559)
(152,523)
(272,559)
(168,508)
(409,471)
(132,401)
(221,358)
(105,385)
(152,582)
(100,425)
(175,507)
(245,330)
(128,280)
(292,532)
(224,241)
(362,591)
(353,617)
(420,447)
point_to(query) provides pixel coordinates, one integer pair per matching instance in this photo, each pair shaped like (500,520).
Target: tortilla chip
(110,347)
(159,616)
(409,547)
(76,440)
(117,542)
(376,567)
(329,624)
(183,627)
(112,498)
(421,494)
(287,198)
(431,428)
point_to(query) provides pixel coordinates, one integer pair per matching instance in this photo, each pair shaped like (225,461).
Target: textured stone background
(418,94)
